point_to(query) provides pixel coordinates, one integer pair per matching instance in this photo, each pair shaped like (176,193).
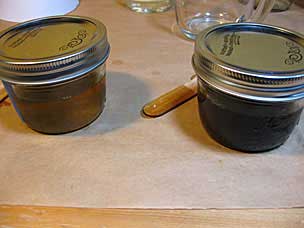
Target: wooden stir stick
(171,100)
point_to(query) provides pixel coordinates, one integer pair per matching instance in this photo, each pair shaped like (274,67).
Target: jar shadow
(295,142)
(125,97)
(9,119)
(187,118)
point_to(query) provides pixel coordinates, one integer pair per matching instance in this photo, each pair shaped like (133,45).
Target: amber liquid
(62,108)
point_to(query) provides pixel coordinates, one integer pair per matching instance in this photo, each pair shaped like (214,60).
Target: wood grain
(53,217)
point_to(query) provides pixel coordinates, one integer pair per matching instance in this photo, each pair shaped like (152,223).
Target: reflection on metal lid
(47,46)
(256,57)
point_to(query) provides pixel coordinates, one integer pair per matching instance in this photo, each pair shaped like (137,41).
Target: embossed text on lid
(259,61)
(40,47)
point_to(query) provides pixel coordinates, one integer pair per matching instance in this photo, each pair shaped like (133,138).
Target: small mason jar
(250,84)
(54,71)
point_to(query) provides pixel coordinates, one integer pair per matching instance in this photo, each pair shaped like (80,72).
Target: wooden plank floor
(56,217)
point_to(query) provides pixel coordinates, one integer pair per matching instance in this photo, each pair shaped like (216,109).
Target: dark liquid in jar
(62,108)
(244,125)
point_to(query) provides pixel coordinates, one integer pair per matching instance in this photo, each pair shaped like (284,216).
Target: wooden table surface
(55,217)
(64,217)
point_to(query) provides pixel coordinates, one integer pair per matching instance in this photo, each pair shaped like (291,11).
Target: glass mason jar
(193,16)
(54,71)
(250,84)
(149,6)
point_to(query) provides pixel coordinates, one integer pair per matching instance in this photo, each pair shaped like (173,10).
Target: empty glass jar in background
(149,6)
(193,16)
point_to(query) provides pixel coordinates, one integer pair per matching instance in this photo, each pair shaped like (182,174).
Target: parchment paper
(123,160)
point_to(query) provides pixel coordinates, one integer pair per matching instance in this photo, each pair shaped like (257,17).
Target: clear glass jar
(193,16)
(149,6)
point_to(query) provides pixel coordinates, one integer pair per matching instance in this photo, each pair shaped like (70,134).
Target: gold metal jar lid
(252,61)
(52,49)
